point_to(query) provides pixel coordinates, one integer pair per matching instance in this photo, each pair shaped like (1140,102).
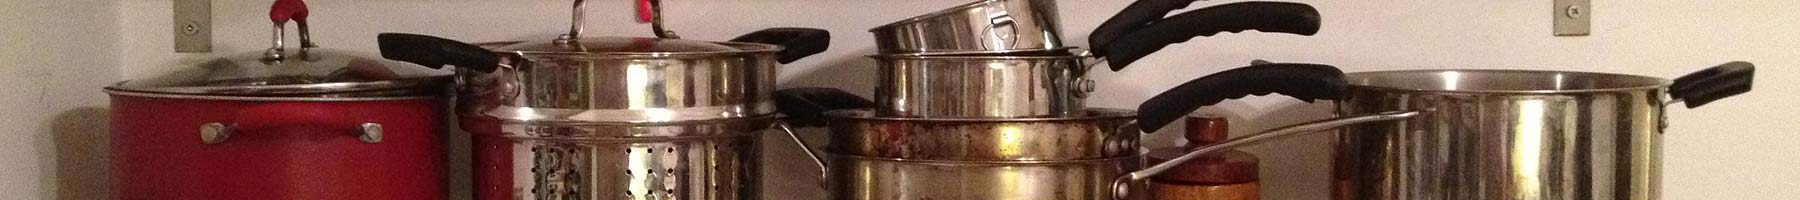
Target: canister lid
(1206,129)
(303,73)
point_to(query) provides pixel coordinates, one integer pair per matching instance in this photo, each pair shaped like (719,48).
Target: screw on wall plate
(190,28)
(1573,12)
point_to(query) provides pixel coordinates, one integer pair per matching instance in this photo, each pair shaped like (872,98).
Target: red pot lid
(297,73)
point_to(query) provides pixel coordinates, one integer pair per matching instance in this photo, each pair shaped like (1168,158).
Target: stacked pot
(615,117)
(985,101)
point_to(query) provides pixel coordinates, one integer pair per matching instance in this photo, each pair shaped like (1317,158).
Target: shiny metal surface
(980,86)
(988,26)
(1096,134)
(1122,185)
(714,159)
(625,87)
(860,178)
(1491,134)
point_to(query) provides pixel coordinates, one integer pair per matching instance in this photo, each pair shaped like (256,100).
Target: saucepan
(1043,80)
(1467,134)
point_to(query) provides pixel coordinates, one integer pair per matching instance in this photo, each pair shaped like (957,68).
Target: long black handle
(1135,16)
(796,43)
(1269,17)
(1306,82)
(436,52)
(1699,88)
(804,106)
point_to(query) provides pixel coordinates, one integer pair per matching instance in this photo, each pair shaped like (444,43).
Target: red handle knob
(643,11)
(284,10)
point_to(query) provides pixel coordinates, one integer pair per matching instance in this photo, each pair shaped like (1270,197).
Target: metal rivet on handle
(214,133)
(371,133)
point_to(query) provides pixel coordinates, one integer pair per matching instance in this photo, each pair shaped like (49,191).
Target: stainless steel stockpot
(981,86)
(1095,134)
(1472,134)
(874,178)
(986,26)
(707,159)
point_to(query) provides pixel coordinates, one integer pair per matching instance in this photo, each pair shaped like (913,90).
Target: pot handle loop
(817,160)
(1726,80)
(1122,186)
(1306,82)
(285,115)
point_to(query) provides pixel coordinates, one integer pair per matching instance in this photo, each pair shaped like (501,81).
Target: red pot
(276,149)
(307,124)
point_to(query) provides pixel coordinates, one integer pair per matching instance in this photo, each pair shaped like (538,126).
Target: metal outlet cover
(193,26)
(1571,17)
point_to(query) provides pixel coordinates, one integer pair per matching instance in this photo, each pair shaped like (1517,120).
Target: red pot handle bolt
(291,115)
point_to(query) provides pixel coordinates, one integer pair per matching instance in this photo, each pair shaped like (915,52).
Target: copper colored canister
(1226,175)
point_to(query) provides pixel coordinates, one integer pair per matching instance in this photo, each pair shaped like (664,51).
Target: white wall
(54,57)
(1741,148)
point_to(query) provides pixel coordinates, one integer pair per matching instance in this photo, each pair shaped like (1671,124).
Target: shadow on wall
(82,147)
(854,74)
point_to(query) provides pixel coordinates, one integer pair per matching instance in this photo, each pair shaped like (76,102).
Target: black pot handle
(1132,18)
(1306,82)
(1269,17)
(796,43)
(804,106)
(436,52)
(1726,80)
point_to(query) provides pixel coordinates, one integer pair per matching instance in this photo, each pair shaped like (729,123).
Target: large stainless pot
(981,86)
(1472,134)
(615,117)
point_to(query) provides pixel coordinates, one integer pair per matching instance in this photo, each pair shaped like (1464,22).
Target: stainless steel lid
(310,72)
(620,45)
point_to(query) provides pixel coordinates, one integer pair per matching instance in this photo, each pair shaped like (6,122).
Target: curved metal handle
(1122,186)
(290,115)
(656,21)
(820,161)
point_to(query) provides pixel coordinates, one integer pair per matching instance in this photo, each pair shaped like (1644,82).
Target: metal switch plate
(1572,17)
(193,26)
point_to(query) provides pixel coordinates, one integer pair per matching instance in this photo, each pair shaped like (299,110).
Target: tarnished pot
(981,86)
(713,159)
(871,178)
(1096,134)
(983,27)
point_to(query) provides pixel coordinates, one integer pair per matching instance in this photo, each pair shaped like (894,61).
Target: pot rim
(934,14)
(744,48)
(120,92)
(971,57)
(1660,82)
(1088,114)
(988,162)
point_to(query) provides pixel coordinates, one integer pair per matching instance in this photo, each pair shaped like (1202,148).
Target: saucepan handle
(1268,17)
(1712,84)
(796,43)
(1122,189)
(805,107)
(288,115)
(1306,82)
(436,52)
(817,160)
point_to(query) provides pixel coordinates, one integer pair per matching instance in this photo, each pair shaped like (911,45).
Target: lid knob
(1206,129)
